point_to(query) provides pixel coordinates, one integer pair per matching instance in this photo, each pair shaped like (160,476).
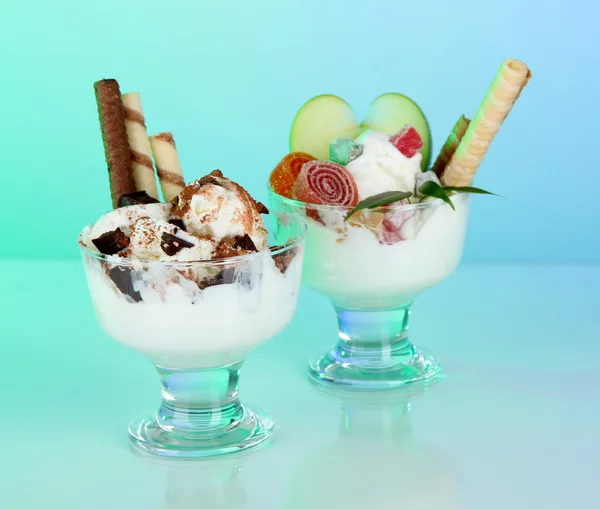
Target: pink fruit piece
(391,226)
(407,140)
(326,183)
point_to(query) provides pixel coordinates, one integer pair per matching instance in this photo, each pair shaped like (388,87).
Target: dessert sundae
(384,225)
(190,282)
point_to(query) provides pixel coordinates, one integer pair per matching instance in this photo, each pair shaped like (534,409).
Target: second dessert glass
(196,322)
(372,267)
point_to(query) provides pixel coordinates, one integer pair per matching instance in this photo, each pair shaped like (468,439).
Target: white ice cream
(146,240)
(178,325)
(124,217)
(382,167)
(217,214)
(220,208)
(183,284)
(352,266)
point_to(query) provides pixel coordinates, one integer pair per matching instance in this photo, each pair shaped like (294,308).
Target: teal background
(228,77)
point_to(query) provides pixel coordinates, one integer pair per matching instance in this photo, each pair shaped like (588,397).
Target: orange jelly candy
(284,176)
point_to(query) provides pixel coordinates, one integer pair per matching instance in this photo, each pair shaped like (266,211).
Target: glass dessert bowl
(384,224)
(196,322)
(372,267)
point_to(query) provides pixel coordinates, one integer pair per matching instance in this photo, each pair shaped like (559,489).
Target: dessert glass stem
(200,415)
(373,339)
(200,401)
(373,351)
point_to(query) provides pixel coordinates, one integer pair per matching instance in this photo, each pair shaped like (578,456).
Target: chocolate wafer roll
(167,165)
(141,158)
(114,136)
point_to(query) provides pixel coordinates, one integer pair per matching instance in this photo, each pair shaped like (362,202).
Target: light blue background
(228,77)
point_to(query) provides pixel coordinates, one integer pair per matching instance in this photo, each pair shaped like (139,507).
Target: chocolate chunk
(177,222)
(171,245)
(121,277)
(225,277)
(111,242)
(244,242)
(212,178)
(136,198)
(283,260)
(262,209)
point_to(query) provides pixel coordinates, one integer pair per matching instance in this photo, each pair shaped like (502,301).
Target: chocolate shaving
(121,277)
(114,136)
(244,242)
(177,222)
(262,209)
(111,242)
(171,244)
(225,277)
(135,198)
(283,260)
(211,179)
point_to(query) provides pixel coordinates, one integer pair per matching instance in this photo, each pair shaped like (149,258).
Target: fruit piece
(407,140)
(389,112)
(392,224)
(326,183)
(284,175)
(320,120)
(343,150)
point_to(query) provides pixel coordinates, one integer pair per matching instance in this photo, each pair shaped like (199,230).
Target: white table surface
(515,422)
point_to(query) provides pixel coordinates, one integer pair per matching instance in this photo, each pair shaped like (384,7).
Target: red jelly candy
(407,140)
(284,175)
(326,183)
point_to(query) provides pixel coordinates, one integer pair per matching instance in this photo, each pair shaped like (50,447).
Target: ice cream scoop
(218,207)
(382,167)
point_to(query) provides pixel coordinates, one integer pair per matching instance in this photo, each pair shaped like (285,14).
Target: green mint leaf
(473,190)
(379,200)
(433,189)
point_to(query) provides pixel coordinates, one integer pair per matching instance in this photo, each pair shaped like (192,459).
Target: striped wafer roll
(141,158)
(510,80)
(114,136)
(452,142)
(167,165)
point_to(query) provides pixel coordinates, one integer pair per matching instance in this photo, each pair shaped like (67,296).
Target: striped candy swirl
(326,183)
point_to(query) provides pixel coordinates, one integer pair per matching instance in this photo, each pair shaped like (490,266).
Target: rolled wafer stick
(452,142)
(114,136)
(167,163)
(141,158)
(510,80)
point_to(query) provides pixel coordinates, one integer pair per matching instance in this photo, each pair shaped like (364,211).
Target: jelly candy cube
(343,150)
(407,140)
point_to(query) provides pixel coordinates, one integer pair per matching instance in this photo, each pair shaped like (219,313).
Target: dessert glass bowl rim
(293,242)
(435,202)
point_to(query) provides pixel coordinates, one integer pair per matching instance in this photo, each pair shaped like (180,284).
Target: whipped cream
(376,260)
(382,167)
(178,325)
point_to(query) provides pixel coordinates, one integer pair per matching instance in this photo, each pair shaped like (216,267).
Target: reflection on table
(376,460)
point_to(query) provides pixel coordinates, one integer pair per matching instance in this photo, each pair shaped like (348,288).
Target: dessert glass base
(374,352)
(200,416)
